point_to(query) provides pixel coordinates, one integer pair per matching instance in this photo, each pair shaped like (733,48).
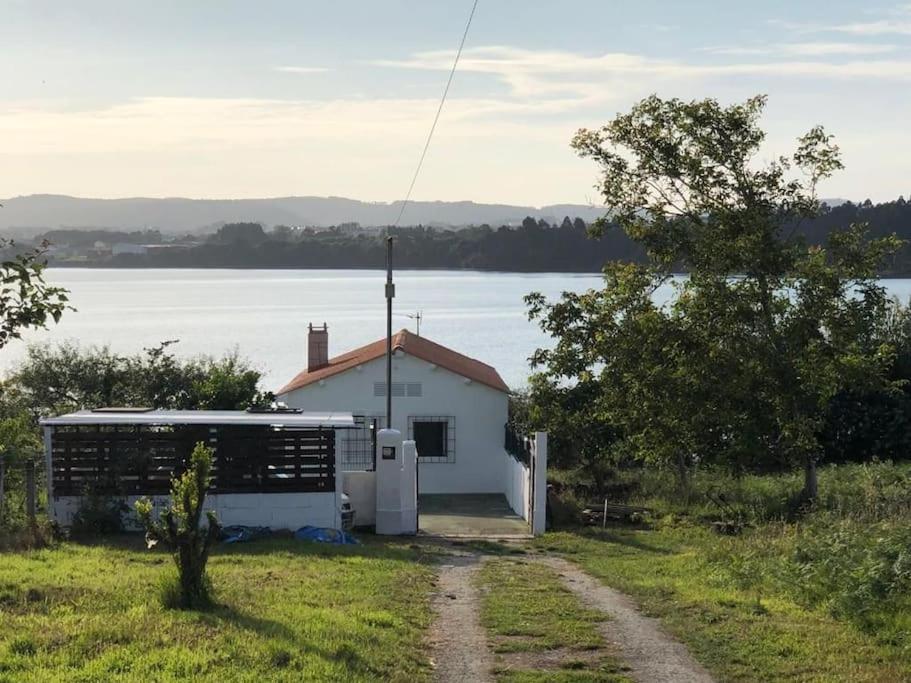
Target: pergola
(130,451)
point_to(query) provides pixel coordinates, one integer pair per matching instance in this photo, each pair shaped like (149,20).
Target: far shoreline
(379,269)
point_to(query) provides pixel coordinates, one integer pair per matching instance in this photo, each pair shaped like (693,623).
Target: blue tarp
(322,535)
(239,533)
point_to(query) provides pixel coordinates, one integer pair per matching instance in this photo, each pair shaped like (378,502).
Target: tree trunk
(683,477)
(810,482)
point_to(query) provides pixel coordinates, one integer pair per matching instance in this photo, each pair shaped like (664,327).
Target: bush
(179,529)
(856,571)
(99,514)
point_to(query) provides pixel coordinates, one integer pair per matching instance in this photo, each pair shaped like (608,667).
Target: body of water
(264,313)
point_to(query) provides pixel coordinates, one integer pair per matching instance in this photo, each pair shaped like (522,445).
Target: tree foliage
(180,528)
(65,377)
(741,365)
(26,299)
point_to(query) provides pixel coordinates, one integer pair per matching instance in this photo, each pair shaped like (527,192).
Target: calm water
(264,313)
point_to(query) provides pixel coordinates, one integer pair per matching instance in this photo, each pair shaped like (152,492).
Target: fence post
(2,484)
(540,474)
(30,497)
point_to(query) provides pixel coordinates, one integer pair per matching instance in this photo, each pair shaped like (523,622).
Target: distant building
(129,248)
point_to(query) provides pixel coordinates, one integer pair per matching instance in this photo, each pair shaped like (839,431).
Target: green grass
(738,630)
(868,491)
(526,609)
(287,610)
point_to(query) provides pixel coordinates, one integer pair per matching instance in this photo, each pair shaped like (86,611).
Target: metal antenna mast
(417,317)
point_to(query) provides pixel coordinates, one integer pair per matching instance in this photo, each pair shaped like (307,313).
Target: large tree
(741,364)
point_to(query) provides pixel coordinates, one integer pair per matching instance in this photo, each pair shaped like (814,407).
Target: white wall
(274,510)
(480,413)
(517,485)
(361,490)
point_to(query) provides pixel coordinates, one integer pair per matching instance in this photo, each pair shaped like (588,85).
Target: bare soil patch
(652,655)
(457,639)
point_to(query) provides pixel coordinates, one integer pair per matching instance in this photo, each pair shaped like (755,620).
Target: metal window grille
(450,437)
(517,444)
(359,445)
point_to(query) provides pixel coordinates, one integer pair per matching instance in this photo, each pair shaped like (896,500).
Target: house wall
(274,510)
(480,413)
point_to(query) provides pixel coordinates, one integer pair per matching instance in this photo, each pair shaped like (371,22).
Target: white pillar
(409,488)
(539,510)
(339,479)
(389,460)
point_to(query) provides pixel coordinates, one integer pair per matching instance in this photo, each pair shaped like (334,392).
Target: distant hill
(37,213)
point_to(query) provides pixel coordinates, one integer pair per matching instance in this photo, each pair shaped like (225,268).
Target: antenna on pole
(390,295)
(417,316)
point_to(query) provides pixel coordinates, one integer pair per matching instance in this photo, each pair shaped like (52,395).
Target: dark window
(431,438)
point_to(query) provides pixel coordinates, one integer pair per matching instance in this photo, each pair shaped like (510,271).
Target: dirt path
(458,641)
(653,656)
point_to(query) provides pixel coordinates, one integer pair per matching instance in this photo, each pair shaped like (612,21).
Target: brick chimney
(317,347)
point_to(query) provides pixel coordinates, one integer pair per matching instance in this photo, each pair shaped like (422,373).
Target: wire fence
(23,491)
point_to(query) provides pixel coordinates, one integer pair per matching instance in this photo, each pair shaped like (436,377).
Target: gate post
(539,510)
(49,469)
(390,459)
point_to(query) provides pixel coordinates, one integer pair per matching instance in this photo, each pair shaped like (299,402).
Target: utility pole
(390,295)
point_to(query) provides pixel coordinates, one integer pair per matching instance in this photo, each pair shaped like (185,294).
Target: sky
(293,97)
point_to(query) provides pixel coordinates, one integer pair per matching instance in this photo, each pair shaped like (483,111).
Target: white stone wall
(480,414)
(274,510)
(517,485)
(361,490)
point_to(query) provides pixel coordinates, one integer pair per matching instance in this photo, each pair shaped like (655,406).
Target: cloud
(301,69)
(881,27)
(586,79)
(811,49)
(896,21)
(191,123)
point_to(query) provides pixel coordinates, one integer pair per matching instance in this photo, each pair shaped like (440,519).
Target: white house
(454,407)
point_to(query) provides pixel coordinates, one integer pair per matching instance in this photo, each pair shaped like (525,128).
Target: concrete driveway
(469,515)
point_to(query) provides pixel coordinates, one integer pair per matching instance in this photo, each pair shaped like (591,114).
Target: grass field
(538,629)
(739,632)
(287,610)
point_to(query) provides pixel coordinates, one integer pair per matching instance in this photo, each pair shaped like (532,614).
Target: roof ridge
(427,340)
(410,343)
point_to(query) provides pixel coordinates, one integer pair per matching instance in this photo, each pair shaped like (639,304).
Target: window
(434,437)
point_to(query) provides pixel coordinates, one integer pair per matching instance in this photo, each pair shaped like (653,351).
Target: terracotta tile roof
(413,345)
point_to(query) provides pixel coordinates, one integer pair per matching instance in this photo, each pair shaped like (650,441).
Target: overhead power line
(436,118)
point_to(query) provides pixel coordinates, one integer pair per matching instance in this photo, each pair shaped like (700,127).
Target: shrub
(179,529)
(98,514)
